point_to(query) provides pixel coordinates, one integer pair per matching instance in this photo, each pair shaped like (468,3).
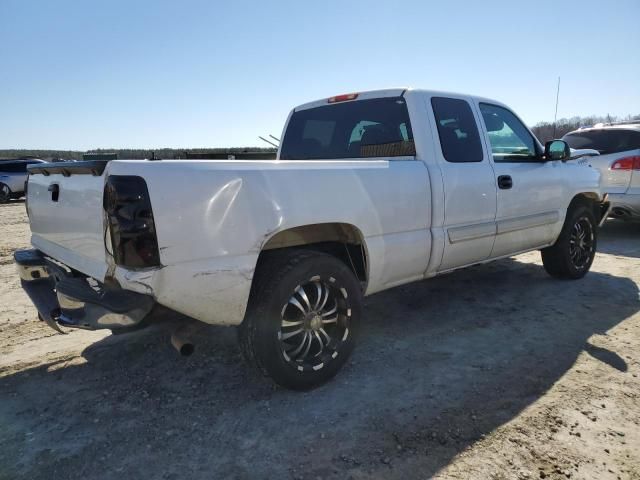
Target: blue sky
(187,74)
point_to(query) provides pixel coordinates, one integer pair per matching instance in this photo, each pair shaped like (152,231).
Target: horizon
(253,147)
(91,76)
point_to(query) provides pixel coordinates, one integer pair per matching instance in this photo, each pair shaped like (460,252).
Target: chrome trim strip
(471,232)
(530,221)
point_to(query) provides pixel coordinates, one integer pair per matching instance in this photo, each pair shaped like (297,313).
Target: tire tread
(272,269)
(554,258)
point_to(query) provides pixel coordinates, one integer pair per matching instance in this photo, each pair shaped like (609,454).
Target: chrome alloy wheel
(581,243)
(314,324)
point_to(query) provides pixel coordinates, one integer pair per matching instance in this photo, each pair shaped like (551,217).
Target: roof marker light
(343,98)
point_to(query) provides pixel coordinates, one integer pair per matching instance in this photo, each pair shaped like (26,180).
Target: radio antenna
(555,116)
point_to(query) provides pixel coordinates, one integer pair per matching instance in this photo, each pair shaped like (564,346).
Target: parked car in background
(369,191)
(619,163)
(13,175)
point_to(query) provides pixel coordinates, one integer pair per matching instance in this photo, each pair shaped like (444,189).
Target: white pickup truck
(369,191)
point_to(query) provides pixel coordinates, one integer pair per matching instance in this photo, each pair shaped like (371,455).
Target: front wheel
(573,253)
(302,318)
(5,193)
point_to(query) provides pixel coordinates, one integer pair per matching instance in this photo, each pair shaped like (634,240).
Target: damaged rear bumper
(67,298)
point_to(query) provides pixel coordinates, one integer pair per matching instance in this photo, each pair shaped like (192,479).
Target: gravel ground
(497,371)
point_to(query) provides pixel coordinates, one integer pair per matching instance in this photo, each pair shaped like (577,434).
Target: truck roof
(394,92)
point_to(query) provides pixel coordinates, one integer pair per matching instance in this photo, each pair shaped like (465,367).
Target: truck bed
(213,217)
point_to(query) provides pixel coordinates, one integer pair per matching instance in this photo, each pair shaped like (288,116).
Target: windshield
(605,141)
(378,127)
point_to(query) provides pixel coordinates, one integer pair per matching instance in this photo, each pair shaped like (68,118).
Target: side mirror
(557,150)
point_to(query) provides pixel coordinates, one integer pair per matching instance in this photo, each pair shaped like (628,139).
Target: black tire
(5,193)
(570,258)
(267,335)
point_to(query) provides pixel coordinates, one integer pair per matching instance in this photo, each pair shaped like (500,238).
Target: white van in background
(619,163)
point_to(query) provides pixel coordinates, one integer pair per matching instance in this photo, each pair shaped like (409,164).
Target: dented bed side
(213,219)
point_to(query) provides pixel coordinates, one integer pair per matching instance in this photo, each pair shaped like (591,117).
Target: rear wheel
(573,253)
(5,193)
(302,319)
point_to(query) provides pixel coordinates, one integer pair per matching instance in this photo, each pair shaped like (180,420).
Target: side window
(510,140)
(457,129)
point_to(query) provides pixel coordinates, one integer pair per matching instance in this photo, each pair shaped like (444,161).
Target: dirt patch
(497,371)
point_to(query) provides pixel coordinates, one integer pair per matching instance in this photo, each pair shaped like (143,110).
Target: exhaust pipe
(618,212)
(183,346)
(181,337)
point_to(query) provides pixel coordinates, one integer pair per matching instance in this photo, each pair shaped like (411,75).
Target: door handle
(54,188)
(505,182)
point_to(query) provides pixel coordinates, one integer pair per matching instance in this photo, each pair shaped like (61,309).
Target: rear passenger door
(469,183)
(532,193)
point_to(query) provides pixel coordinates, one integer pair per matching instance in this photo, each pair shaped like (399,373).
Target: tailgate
(64,202)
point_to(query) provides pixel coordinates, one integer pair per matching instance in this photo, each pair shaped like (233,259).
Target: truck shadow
(439,365)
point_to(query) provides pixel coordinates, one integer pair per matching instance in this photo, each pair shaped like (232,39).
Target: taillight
(627,163)
(343,98)
(130,218)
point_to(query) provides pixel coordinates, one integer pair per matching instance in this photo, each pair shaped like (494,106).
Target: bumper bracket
(67,298)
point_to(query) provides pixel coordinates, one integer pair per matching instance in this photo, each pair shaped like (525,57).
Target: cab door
(469,183)
(531,192)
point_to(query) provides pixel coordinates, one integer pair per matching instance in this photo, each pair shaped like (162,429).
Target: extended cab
(369,191)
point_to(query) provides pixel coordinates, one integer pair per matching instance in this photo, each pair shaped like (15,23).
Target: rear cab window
(378,127)
(457,130)
(605,141)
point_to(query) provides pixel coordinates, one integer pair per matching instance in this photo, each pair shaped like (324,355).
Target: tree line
(543,130)
(126,153)
(546,131)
